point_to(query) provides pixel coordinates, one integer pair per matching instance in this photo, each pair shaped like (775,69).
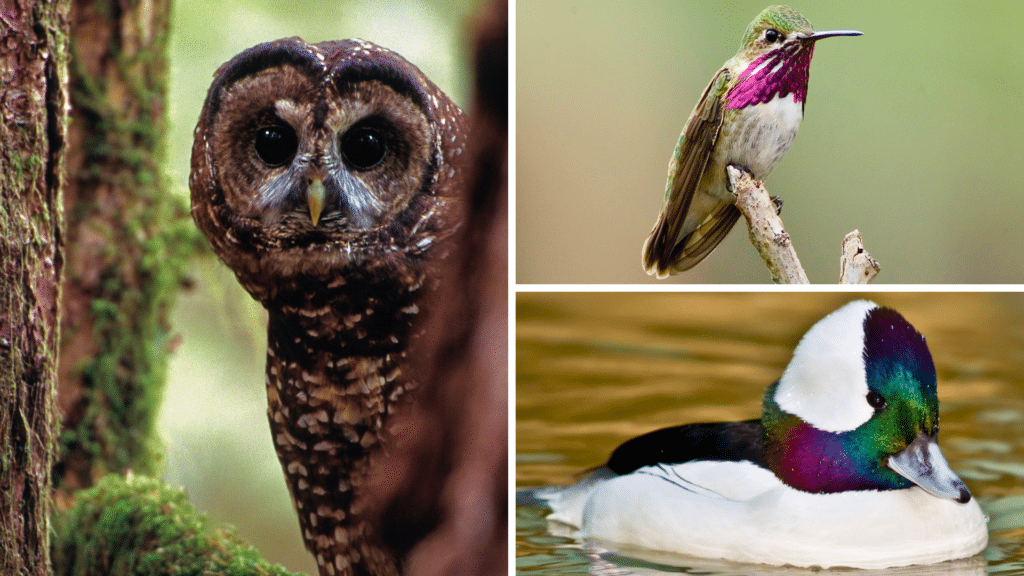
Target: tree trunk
(128,244)
(33,64)
(446,492)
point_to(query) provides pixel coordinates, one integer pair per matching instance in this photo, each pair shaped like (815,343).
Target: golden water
(593,370)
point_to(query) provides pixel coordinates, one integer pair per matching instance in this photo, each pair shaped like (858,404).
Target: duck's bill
(923,464)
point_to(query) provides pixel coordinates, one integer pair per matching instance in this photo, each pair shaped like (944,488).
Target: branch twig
(856,266)
(768,235)
(766,231)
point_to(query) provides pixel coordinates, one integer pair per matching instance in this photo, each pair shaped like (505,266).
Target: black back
(723,441)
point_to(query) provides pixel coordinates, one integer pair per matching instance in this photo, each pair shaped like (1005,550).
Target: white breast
(740,512)
(760,135)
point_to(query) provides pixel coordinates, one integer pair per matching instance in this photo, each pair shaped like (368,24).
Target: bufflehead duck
(843,468)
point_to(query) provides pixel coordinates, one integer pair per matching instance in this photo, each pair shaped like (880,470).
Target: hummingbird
(747,117)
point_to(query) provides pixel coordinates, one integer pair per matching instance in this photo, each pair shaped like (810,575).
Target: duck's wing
(717,441)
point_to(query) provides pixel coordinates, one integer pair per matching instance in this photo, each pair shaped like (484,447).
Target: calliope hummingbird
(747,117)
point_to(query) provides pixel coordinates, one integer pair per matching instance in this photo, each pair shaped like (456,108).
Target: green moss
(135,526)
(148,241)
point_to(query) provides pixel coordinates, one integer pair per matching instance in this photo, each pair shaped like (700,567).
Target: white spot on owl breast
(305,421)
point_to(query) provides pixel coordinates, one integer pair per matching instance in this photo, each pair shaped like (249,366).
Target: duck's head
(856,409)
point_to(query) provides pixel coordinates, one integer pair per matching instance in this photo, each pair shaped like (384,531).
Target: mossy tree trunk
(33,64)
(128,242)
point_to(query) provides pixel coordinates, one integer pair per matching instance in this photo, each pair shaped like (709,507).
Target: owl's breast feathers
(334,375)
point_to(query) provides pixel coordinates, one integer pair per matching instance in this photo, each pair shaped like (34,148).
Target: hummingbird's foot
(777,200)
(728,181)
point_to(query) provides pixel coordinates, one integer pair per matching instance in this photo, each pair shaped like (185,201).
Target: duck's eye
(772,36)
(275,145)
(876,401)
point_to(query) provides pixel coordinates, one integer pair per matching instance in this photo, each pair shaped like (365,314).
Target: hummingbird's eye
(772,36)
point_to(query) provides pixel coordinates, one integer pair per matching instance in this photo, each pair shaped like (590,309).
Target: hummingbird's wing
(667,250)
(702,241)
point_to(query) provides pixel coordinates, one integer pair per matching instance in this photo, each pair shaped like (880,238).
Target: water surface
(593,370)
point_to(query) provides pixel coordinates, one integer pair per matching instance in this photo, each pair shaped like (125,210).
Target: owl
(325,176)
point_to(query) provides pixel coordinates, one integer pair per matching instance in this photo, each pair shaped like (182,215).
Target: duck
(843,469)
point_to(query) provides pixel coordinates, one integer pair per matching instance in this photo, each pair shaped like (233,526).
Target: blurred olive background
(214,414)
(912,134)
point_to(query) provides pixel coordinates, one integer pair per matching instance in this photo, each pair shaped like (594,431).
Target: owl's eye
(363,148)
(276,145)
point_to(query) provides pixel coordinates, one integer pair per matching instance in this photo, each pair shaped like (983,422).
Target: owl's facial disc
(322,153)
(307,170)
(347,190)
(342,194)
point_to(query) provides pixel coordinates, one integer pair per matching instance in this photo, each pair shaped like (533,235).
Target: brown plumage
(324,175)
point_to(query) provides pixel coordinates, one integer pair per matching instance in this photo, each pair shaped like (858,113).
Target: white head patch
(825,383)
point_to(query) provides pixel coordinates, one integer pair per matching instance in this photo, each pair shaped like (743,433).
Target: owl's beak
(315,198)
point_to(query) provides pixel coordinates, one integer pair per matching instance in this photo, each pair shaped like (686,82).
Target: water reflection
(596,369)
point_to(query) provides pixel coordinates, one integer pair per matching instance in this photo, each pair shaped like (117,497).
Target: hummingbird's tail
(665,253)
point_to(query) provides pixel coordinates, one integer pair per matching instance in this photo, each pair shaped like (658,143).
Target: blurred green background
(214,414)
(912,134)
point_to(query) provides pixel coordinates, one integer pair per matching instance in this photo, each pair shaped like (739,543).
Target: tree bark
(33,64)
(128,243)
(445,493)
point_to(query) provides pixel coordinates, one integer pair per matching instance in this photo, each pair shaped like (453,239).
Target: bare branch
(856,266)
(768,235)
(766,231)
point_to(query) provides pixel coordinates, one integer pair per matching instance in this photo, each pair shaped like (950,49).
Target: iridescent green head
(775,57)
(782,19)
(856,409)
(781,26)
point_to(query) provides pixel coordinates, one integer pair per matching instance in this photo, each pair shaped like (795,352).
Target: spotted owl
(326,176)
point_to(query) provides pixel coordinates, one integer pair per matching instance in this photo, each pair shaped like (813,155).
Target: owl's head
(310,158)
